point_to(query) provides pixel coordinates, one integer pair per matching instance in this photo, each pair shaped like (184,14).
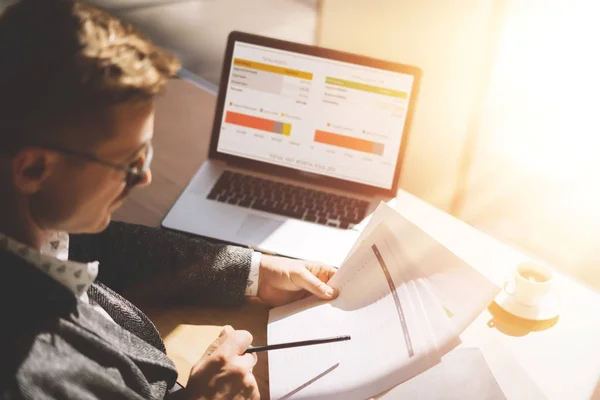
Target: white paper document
(388,304)
(463,291)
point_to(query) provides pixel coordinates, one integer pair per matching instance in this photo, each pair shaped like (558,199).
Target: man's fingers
(218,342)
(239,341)
(321,271)
(250,389)
(227,330)
(225,334)
(226,372)
(247,361)
(314,285)
(252,393)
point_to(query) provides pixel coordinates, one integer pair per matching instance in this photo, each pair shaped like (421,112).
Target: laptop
(305,143)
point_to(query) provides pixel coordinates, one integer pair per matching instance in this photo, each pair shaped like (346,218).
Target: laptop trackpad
(256,229)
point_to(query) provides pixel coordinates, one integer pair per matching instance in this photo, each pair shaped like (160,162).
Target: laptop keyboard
(288,200)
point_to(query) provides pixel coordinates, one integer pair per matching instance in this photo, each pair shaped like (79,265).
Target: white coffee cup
(530,283)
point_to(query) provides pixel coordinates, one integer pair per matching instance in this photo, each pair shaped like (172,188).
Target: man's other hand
(284,280)
(223,372)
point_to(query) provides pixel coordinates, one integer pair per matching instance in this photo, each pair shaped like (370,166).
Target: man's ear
(30,167)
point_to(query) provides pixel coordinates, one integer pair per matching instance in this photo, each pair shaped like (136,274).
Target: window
(535,177)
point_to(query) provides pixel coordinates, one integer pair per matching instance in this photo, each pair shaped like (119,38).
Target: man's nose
(146,179)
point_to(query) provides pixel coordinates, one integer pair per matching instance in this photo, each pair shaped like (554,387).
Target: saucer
(546,309)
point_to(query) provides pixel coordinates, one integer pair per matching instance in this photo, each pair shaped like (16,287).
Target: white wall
(449,41)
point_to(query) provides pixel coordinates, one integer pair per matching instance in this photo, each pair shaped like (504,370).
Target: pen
(296,344)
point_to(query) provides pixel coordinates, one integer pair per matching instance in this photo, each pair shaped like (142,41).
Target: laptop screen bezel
(304,176)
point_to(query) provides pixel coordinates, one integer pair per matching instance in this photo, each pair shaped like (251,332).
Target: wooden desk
(559,360)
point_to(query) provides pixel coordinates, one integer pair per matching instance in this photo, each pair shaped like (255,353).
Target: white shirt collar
(52,259)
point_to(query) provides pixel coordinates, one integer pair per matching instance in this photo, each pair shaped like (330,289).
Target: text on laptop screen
(314,114)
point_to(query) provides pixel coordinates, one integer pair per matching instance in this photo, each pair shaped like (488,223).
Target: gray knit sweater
(53,346)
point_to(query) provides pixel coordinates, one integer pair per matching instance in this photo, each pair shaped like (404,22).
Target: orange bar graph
(250,121)
(263,124)
(349,142)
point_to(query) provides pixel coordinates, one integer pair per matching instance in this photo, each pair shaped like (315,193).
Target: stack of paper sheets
(404,298)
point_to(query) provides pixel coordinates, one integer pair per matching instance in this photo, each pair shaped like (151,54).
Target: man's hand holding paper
(283,280)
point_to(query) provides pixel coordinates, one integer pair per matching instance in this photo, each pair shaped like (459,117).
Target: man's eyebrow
(139,149)
(132,155)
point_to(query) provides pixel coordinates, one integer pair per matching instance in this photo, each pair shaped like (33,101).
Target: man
(76,118)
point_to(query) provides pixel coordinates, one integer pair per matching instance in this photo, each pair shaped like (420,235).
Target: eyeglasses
(134,172)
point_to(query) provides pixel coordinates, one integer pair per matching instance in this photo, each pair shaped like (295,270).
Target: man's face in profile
(80,195)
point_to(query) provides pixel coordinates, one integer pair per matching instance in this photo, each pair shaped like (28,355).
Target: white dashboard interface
(314,114)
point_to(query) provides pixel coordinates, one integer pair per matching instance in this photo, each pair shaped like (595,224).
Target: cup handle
(510,283)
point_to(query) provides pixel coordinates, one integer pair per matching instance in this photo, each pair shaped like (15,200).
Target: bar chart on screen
(349,142)
(263,124)
(315,115)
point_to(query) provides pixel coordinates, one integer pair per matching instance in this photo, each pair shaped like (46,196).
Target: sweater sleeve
(157,266)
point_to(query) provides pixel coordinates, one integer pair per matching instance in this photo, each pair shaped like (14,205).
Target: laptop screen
(314,114)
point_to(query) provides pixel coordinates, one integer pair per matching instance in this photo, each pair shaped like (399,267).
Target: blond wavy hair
(62,59)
